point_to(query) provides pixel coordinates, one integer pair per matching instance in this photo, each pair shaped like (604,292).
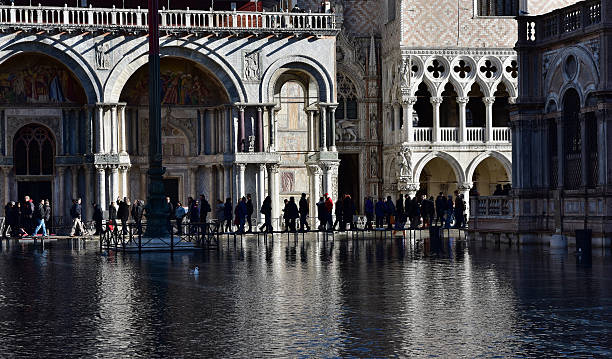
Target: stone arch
(302,64)
(431,87)
(510,86)
(30,134)
(348,73)
(552,104)
(485,87)
(459,88)
(222,71)
(454,164)
(587,73)
(72,60)
(469,173)
(571,87)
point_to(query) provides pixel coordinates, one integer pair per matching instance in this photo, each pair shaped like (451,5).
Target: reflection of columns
(241,134)
(462,102)
(488,118)
(260,135)
(99,129)
(602,154)
(408,117)
(396,124)
(123,131)
(332,127)
(123,171)
(61,189)
(311,131)
(113,129)
(6,171)
(436,101)
(114,183)
(240,179)
(193,191)
(261,189)
(323,127)
(101,187)
(75,187)
(560,157)
(274,190)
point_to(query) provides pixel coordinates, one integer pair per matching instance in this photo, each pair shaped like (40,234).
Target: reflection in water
(307,298)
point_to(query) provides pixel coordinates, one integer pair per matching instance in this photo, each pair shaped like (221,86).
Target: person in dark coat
(169,214)
(27,213)
(399,209)
(97,217)
(292,213)
(124,214)
(339,218)
(389,211)
(241,214)
(266,210)
(39,217)
(249,214)
(47,216)
(227,214)
(286,215)
(450,211)
(322,214)
(112,216)
(304,213)
(8,220)
(75,213)
(348,211)
(459,208)
(194,216)
(137,212)
(415,213)
(369,212)
(380,212)
(205,209)
(440,208)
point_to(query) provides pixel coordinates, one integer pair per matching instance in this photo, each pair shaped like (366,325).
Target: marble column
(101,187)
(61,190)
(260,134)
(462,102)
(123,172)
(75,186)
(143,183)
(220,186)
(273,188)
(261,189)
(435,133)
(315,190)
(89,135)
(115,183)
(89,186)
(273,127)
(602,154)
(332,127)
(113,130)
(99,132)
(328,171)
(560,156)
(408,106)
(311,131)
(583,150)
(241,131)
(323,128)
(193,189)
(240,167)
(397,138)
(123,130)
(488,118)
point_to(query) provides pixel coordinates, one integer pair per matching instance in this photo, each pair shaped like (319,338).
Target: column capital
(262,167)
(6,170)
(436,100)
(465,186)
(512,100)
(100,168)
(488,100)
(273,167)
(409,100)
(329,166)
(241,166)
(315,169)
(462,100)
(114,168)
(61,170)
(124,167)
(241,107)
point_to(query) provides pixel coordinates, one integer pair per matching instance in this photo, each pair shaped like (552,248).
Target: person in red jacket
(329,206)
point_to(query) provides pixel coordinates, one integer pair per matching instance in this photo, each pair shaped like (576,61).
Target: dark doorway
(171,187)
(348,178)
(37,190)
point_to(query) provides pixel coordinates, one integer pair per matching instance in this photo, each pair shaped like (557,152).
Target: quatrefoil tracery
(463,69)
(436,69)
(488,69)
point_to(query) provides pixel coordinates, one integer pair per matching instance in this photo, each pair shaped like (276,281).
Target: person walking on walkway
(9,222)
(329,206)
(249,215)
(27,212)
(227,214)
(369,212)
(241,214)
(169,214)
(137,211)
(339,217)
(440,208)
(400,214)
(380,212)
(450,211)
(459,208)
(220,209)
(194,215)
(39,217)
(322,214)
(75,213)
(204,211)
(97,217)
(389,211)
(124,214)
(292,213)
(304,214)
(266,210)
(47,217)
(112,217)
(179,214)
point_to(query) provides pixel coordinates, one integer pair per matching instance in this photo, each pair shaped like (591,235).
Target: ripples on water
(369,298)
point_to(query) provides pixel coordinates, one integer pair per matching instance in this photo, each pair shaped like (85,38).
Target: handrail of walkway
(50,17)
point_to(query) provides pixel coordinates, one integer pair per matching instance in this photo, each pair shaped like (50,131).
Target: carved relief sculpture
(346,130)
(251,66)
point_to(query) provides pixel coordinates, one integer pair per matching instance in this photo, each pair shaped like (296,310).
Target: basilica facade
(367,98)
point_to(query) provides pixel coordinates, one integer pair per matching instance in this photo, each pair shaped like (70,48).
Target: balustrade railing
(556,24)
(491,207)
(136,19)
(502,134)
(475,134)
(448,134)
(422,134)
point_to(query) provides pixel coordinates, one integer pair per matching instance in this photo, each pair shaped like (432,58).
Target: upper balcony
(171,21)
(576,20)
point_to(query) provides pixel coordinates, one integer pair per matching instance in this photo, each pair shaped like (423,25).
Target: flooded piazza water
(366,298)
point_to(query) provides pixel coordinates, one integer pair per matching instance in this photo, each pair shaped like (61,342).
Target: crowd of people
(29,218)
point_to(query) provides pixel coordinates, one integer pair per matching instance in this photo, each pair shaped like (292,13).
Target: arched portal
(490,178)
(423,109)
(449,109)
(501,113)
(572,141)
(34,157)
(475,110)
(437,176)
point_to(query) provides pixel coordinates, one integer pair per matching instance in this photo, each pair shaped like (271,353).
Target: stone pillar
(271,115)
(464,189)
(328,171)
(61,188)
(489,118)
(462,102)
(240,167)
(412,189)
(220,185)
(602,157)
(332,127)
(323,128)
(584,163)
(75,186)
(241,134)
(6,171)
(115,183)
(408,117)
(113,130)
(311,131)
(397,138)
(89,135)
(435,102)
(99,129)
(315,192)
(261,189)
(260,134)
(560,156)
(123,130)
(143,183)
(89,186)
(192,183)
(123,172)
(273,188)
